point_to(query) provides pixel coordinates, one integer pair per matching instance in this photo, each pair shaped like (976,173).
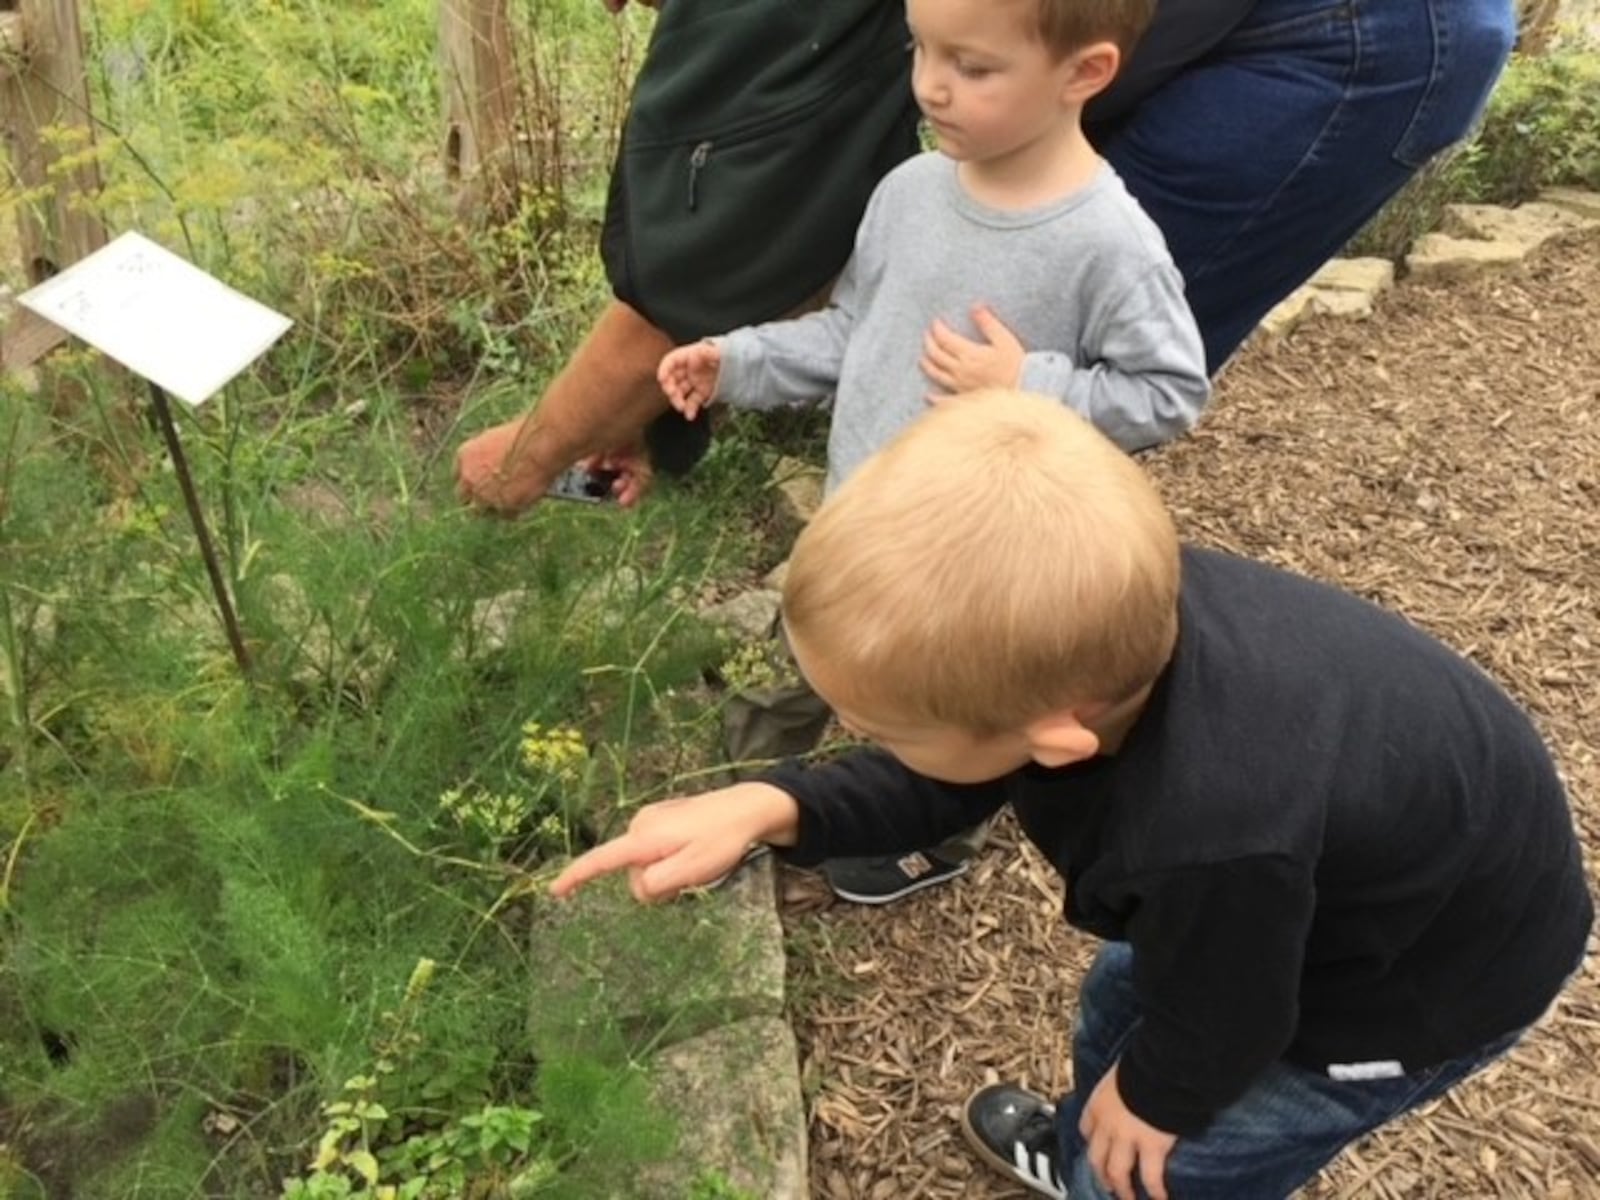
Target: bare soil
(1442,459)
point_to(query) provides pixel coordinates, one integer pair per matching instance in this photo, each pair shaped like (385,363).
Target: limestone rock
(752,614)
(1288,312)
(1338,302)
(494,618)
(1369,276)
(1528,225)
(799,485)
(736,1094)
(665,972)
(1440,256)
(1343,287)
(1577,200)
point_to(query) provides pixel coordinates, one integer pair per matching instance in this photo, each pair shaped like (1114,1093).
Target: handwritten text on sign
(159,315)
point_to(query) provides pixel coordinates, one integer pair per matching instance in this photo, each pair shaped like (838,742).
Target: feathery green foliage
(214,891)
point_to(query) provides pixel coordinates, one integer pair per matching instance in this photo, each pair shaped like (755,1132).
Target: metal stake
(196,518)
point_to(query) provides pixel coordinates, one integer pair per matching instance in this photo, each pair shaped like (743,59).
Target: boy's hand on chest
(955,363)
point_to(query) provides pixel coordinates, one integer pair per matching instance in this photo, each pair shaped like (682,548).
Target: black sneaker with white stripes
(1014,1131)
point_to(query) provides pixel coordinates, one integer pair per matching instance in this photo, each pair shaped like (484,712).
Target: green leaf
(364,1164)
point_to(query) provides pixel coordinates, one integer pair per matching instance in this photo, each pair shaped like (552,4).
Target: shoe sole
(891,897)
(1004,1165)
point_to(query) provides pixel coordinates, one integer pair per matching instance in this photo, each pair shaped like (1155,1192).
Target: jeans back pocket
(1471,41)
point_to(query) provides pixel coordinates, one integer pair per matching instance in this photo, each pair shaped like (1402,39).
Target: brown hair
(997,561)
(1068,25)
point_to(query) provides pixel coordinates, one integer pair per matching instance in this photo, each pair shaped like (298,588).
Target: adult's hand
(632,469)
(687,842)
(490,474)
(1120,1144)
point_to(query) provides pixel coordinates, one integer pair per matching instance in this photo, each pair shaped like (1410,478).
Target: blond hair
(998,561)
(1068,25)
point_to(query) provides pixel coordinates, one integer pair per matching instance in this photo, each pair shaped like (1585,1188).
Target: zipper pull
(697,159)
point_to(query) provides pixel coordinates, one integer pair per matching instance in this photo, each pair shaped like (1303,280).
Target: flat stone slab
(1342,287)
(799,485)
(1584,203)
(662,972)
(752,614)
(1528,225)
(494,619)
(1338,303)
(1368,275)
(1440,256)
(741,1116)
(1287,313)
(1474,237)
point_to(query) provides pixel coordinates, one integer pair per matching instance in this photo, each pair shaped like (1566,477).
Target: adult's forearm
(600,402)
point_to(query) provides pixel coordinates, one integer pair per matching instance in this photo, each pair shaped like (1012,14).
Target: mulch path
(1442,459)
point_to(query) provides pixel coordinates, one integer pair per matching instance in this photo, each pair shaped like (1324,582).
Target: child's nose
(926,87)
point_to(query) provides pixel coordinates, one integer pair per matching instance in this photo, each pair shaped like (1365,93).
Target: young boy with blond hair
(1012,257)
(1332,860)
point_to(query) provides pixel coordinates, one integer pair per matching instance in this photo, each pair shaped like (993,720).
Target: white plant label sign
(159,315)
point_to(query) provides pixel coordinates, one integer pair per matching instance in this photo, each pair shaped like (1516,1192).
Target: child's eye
(972,70)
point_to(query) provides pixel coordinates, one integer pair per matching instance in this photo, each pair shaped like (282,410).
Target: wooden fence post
(479,79)
(43,86)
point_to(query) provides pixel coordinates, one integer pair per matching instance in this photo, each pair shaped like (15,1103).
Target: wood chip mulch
(1442,459)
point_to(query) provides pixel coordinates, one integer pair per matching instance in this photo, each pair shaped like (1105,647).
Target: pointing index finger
(629,850)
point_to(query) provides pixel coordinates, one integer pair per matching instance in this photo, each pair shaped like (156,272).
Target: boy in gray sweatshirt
(1013,257)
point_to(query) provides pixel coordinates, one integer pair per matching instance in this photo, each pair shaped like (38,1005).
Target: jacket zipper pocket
(697,160)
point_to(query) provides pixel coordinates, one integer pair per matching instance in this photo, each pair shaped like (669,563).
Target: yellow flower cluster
(559,753)
(497,816)
(752,666)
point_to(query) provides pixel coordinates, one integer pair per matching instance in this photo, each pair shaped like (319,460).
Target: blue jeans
(1263,159)
(1274,1138)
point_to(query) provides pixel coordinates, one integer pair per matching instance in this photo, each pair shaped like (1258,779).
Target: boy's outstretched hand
(688,375)
(958,364)
(688,842)
(1119,1143)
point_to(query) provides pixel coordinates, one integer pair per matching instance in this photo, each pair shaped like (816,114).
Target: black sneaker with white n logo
(880,880)
(1014,1131)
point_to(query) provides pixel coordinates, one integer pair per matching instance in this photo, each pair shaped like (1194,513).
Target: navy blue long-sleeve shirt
(1328,838)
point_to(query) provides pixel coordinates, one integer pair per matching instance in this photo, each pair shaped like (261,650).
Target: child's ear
(1061,739)
(1092,70)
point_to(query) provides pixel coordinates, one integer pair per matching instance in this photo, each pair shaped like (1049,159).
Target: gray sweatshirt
(1086,284)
